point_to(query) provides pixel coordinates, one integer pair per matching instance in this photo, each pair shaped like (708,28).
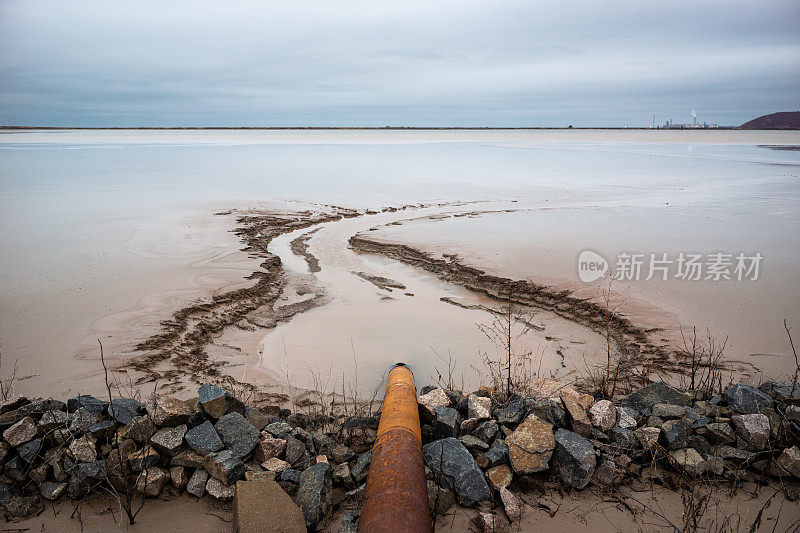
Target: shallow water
(105,231)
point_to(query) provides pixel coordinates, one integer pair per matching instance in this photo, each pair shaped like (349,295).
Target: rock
(715,465)
(269,447)
(659,392)
(486,430)
(624,438)
(626,418)
(746,399)
(83,449)
(197,483)
(40,473)
(179,476)
(789,460)
(279,430)
(21,432)
(487,522)
(143,459)
(784,392)
(256,417)
(124,410)
(349,522)
(498,453)
(668,411)
(574,458)
(544,388)
(440,499)
(732,454)
(341,475)
(575,405)
(102,430)
(117,461)
(259,476)
(674,434)
(95,470)
(273,464)
(551,410)
(473,443)
(225,466)
(52,490)
(360,469)
(605,474)
(499,476)
(168,441)
(453,465)
(445,423)
(689,461)
(603,415)
(204,439)
(530,446)
(511,504)
(33,409)
(512,413)
(220,491)
(294,450)
(12,404)
(647,437)
(15,468)
(30,450)
(214,400)
(290,475)
(263,506)
(478,406)
(5,449)
(90,403)
(718,433)
(699,443)
(469,425)
(342,454)
(480,459)
(753,430)
(187,458)
(314,493)
(82,420)
(430,401)
(19,507)
(52,420)
(168,411)
(152,481)
(140,429)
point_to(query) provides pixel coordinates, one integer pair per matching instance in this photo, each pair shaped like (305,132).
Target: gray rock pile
(52,450)
(557,433)
(479,451)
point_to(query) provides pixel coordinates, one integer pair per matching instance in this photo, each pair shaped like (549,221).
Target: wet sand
(367,326)
(643,508)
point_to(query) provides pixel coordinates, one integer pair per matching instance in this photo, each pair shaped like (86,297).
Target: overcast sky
(375,63)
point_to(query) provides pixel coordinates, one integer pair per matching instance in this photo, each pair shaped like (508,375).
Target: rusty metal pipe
(396,497)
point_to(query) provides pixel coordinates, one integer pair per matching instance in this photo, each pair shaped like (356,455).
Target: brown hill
(785,120)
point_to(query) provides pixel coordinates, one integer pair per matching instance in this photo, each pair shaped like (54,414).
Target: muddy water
(365,329)
(105,232)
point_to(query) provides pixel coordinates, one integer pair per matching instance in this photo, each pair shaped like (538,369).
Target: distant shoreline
(367,128)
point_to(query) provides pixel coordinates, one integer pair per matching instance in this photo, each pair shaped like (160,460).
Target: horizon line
(19,127)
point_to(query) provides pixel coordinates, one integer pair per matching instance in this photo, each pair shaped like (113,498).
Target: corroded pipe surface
(396,497)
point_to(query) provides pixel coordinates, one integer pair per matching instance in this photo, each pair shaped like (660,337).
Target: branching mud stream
(332,309)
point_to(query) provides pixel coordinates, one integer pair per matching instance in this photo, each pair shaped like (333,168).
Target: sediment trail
(631,342)
(178,350)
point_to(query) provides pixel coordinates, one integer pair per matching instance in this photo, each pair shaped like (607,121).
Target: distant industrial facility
(692,125)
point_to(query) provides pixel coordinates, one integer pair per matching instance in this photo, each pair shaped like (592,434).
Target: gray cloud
(400,63)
